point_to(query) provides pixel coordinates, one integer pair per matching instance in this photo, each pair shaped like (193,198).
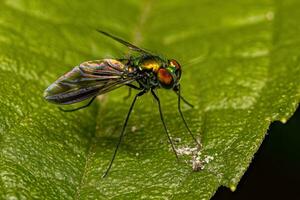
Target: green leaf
(241,69)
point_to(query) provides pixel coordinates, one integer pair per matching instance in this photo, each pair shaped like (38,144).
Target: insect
(144,72)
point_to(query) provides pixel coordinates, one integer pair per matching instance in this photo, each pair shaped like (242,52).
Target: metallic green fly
(145,72)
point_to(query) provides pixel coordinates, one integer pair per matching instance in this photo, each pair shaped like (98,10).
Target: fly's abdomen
(87,80)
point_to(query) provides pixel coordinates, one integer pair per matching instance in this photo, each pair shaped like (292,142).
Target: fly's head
(169,76)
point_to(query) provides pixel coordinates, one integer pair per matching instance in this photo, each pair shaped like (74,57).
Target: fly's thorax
(157,72)
(146,67)
(149,63)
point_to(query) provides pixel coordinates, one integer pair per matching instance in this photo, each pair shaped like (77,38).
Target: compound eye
(165,78)
(177,66)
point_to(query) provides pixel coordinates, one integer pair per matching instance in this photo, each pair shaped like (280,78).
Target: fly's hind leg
(79,108)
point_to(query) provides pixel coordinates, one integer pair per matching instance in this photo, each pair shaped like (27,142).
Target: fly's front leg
(178,92)
(163,122)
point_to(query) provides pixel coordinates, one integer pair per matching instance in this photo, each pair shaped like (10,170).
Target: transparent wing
(87,80)
(129,45)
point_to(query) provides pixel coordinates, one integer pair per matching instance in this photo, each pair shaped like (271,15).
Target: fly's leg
(122,132)
(134,87)
(177,91)
(128,95)
(182,117)
(163,121)
(185,101)
(87,105)
(131,86)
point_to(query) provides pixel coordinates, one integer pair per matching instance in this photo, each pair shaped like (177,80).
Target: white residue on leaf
(133,128)
(186,151)
(177,140)
(197,159)
(197,164)
(208,158)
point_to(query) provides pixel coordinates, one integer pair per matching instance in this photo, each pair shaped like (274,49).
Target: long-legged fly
(145,72)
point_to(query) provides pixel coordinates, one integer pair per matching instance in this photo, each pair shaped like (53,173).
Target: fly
(145,72)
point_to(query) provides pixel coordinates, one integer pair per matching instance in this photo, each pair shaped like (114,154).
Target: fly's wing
(129,45)
(87,80)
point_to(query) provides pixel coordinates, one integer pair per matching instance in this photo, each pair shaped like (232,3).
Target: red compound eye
(174,63)
(165,78)
(177,66)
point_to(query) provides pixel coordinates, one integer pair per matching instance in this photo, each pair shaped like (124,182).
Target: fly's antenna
(129,45)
